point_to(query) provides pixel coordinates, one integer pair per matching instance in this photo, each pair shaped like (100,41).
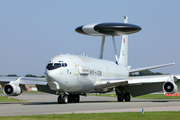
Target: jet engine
(170,87)
(12,90)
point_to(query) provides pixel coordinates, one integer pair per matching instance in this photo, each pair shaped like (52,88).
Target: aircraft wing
(41,83)
(24,80)
(151,67)
(137,85)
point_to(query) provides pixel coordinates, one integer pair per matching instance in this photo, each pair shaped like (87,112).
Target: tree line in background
(28,75)
(145,73)
(141,73)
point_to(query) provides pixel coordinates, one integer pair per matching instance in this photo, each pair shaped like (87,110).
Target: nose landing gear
(64,99)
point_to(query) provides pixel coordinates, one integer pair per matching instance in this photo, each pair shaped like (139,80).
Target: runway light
(142,110)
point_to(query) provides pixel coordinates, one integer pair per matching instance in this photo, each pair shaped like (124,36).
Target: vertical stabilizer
(123,57)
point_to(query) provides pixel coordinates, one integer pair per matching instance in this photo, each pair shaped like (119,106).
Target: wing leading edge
(151,67)
(24,80)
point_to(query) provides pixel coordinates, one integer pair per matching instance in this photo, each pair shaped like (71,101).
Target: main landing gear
(64,99)
(122,95)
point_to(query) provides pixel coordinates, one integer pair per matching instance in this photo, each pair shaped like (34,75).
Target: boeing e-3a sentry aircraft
(70,76)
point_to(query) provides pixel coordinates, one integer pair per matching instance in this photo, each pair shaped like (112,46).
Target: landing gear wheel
(59,100)
(70,98)
(65,99)
(120,97)
(76,98)
(127,97)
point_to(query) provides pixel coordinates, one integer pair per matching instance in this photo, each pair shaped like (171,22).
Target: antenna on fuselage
(102,47)
(115,51)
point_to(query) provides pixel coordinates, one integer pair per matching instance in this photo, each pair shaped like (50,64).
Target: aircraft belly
(84,84)
(87,83)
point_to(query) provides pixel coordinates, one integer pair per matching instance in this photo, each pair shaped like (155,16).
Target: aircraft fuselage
(71,73)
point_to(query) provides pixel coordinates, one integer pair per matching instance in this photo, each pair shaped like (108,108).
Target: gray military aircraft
(70,76)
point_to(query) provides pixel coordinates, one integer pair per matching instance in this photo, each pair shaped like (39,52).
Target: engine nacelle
(12,90)
(170,87)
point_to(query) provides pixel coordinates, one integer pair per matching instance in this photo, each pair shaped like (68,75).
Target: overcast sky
(34,31)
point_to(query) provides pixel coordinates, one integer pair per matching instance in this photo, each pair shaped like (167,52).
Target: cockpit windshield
(52,66)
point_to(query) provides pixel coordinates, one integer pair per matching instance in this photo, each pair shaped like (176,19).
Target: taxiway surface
(42,103)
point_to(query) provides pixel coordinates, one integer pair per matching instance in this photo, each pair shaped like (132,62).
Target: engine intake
(170,87)
(12,90)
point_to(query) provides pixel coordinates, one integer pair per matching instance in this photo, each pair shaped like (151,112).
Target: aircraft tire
(65,99)
(76,98)
(59,100)
(70,98)
(120,97)
(127,97)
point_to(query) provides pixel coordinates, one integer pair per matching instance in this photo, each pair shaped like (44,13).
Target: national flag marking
(124,40)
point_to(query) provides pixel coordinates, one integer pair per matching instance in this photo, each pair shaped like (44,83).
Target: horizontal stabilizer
(151,67)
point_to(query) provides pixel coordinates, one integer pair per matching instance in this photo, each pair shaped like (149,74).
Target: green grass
(157,96)
(170,115)
(8,99)
(148,96)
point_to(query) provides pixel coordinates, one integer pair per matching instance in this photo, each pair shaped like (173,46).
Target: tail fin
(123,57)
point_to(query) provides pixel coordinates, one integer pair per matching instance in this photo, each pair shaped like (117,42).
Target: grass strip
(173,115)
(148,96)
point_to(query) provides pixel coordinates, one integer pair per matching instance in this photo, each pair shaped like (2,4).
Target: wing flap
(137,90)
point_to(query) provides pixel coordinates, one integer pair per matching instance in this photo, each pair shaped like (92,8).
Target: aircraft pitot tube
(12,88)
(169,86)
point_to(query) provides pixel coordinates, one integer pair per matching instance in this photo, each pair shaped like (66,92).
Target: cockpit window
(51,66)
(65,64)
(57,64)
